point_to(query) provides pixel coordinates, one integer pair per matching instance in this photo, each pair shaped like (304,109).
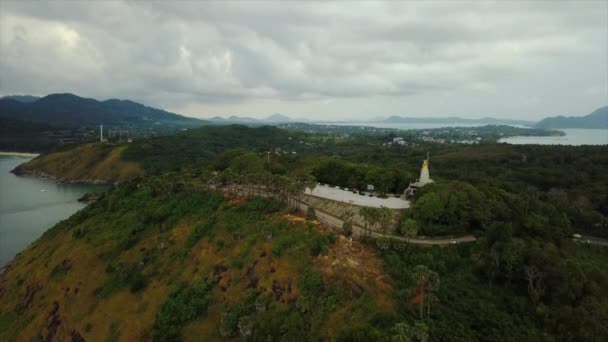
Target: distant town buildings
(428,138)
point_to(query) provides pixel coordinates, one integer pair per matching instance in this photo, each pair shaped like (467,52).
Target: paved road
(591,240)
(344,196)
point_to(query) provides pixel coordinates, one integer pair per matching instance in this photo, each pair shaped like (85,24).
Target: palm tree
(427,282)
(278,187)
(401,332)
(371,216)
(420,276)
(265,179)
(311,183)
(257,181)
(431,290)
(300,188)
(404,332)
(431,298)
(347,225)
(385,219)
(410,229)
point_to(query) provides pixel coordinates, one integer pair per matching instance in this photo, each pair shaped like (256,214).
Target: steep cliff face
(189,265)
(89,163)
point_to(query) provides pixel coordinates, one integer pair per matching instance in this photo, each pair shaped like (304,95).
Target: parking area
(340,195)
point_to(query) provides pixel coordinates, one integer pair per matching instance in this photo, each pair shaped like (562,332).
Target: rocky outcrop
(89,197)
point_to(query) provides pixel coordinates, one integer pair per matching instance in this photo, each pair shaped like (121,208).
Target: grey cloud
(393,56)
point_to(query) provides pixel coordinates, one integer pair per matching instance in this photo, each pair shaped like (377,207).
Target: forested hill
(169,256)
(107,162)
(69,110)
(146,264)
(597,119)
(22,98)
(25,136)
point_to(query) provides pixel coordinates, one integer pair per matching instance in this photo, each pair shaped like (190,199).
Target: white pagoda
(424,179)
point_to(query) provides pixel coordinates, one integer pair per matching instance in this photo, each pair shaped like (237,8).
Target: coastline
(42,175)
(18,171)
(19,154)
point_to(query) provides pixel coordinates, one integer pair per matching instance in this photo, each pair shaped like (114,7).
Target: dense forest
(27,136)
(572,179)
(205,241)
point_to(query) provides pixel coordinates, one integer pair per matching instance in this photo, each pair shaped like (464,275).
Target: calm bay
(29,206)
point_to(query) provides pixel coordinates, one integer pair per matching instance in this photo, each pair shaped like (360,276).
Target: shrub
(60,270)
(331,238)
(360,334)
(123,276)
(239,260)
(283,243)
(236,319)
(347,228)
(228,324)
(79,233)
(185,303)
(311,214)
(198,232)
(311,283)
(318,246)
(138,283)
(293,326)
(264,205)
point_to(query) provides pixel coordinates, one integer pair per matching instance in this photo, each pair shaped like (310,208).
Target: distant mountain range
(71,110)
(272,119)
(280,118)
(457,120)
(22,98)
(597,119)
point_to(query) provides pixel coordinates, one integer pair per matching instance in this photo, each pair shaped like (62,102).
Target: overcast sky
(346,60)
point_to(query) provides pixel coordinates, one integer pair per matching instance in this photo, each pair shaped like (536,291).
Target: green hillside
(572,178)
(93,162)
(111,162)
(167,258)
(190,264)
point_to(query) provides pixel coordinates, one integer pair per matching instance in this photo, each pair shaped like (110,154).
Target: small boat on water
(42,190)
